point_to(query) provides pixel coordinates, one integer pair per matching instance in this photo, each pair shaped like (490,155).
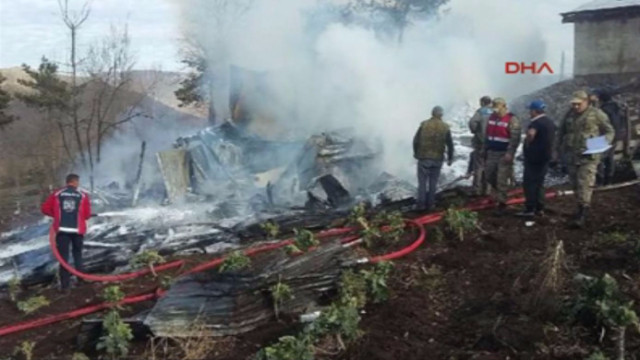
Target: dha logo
(520,67)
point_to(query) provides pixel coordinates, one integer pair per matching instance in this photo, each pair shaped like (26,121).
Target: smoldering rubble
(219,185)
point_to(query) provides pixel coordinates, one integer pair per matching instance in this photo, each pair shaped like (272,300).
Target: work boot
(501,210)
(580,217)
(526,213)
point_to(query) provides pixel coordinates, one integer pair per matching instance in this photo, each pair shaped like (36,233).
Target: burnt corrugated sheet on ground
(234,303)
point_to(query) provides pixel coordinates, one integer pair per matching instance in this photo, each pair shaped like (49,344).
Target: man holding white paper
(579,135)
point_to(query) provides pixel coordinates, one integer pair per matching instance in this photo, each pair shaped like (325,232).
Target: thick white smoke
(341,76)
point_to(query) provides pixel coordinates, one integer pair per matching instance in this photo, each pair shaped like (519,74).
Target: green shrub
(376,281)
(304,239)
(26,349)
(289,348)
(116,336)
(113,295)
(32,304)
(597,356)
(612,238)
(394,223)
(461,221)
(235,261)
(148,258)
(280,293)
(79,356)
(341,319)
(353,286)
(271,229)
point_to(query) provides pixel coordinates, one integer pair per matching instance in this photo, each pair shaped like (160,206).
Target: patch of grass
(32,304)
(79,356)
(113,295)
(598,355)
(461,221)
(235,261)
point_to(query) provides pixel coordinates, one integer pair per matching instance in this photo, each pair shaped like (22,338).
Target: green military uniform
(499,173)
(478,127)
(573,133)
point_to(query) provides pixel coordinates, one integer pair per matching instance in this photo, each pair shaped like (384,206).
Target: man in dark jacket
(429,145)
(70,208)
(478,127)
(538,148)
(607,167)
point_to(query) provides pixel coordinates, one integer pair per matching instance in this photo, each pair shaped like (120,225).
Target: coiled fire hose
(418,223)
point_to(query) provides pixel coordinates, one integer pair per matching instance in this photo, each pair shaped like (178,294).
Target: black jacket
(539,151)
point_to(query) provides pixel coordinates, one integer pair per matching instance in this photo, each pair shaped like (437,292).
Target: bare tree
(74,20)
(111,101)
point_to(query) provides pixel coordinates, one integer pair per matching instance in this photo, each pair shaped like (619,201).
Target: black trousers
(533,184)
(64,242)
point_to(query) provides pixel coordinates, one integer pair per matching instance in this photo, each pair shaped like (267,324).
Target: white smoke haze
(325,75)
(345,76)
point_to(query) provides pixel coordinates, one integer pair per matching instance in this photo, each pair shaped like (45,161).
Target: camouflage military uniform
(478,127)
(429,144)
(573,133)
(499,173)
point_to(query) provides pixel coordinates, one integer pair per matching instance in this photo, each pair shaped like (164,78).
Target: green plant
(15,287)
(292,249)
(113,295)
(148,258)
(304,239)
(353,286)
(376,281)
(461,221)
(271,229)
(79,356)
(166,281)
(280,293)
(598,355)
(26,349)
(603,299)
(340,319)
(358,213)
(393,225)
(117,335)
(32,304)
(235,261)
(612,238)
(289,348)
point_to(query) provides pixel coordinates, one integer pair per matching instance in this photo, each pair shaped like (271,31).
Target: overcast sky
(30,29)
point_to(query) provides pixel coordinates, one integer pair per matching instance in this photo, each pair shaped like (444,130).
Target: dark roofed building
(607,37)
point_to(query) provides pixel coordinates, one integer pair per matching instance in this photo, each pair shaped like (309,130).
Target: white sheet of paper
(597,145)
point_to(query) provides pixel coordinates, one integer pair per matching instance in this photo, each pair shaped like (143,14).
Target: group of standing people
(497,134)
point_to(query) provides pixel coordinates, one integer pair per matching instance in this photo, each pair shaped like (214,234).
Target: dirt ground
(475,299)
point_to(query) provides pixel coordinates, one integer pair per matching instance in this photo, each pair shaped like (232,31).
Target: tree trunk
(74,97)
(620,342)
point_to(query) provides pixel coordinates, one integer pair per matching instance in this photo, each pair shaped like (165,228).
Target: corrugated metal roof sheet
(606,4)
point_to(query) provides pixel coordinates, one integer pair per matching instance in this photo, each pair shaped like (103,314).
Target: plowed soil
(481,298)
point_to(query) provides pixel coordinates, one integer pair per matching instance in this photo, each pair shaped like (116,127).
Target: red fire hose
(419,222)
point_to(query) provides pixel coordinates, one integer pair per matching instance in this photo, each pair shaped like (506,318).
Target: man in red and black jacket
(70,209)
